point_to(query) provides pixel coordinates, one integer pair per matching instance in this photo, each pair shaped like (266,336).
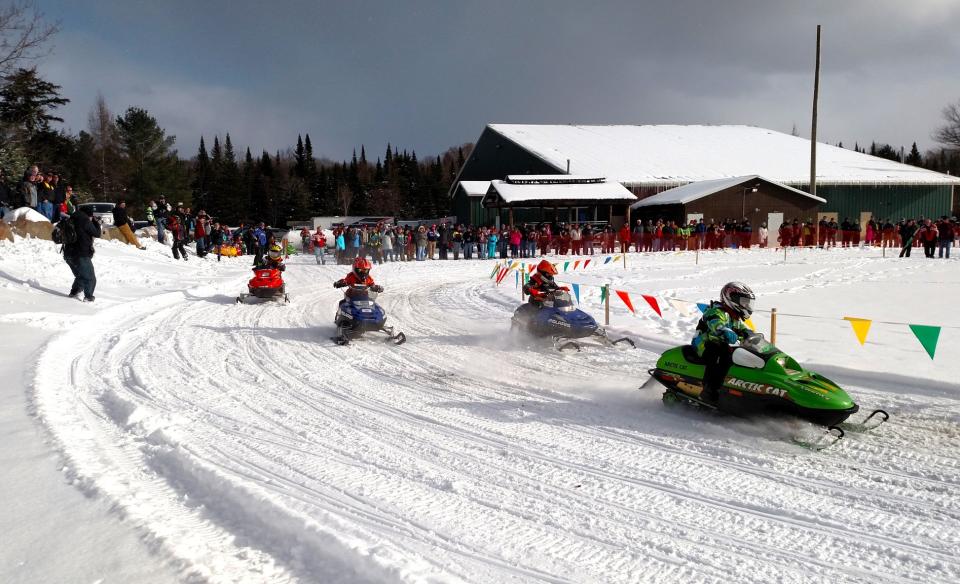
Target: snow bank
(26,214)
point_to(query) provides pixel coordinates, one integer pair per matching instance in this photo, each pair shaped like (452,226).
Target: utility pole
(813,127)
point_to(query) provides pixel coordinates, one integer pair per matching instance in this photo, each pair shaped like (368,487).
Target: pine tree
(26,105)
(311,161)
(914,157)
(300,160)
(230,199)
(201,176)
(154,168)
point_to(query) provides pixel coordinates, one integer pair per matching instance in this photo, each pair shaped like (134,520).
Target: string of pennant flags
(927,335)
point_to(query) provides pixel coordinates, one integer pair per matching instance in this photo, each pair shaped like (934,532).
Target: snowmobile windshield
(562,302)
(360,294)
(758,344)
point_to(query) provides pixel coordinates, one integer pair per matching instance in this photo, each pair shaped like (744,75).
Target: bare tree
(106,142)
(949,133)
(24,32)
(344,197)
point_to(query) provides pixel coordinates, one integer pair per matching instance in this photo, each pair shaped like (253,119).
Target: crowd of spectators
(43,192)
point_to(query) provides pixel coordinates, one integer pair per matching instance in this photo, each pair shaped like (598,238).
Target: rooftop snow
(657,155)
(475,188)
(553,178)
(698,190)
(594,191)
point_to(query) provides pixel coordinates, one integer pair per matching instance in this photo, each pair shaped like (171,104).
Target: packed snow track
(251,448)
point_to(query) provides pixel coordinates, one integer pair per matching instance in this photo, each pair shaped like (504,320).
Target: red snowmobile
(266,283)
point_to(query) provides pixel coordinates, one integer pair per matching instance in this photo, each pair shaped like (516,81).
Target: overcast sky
(430,75)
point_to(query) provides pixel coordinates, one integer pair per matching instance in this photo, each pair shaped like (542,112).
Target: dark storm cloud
(428,75)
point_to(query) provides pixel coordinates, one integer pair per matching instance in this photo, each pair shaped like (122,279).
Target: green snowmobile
(763,380)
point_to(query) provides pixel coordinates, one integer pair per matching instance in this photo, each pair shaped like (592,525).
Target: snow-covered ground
(243,446)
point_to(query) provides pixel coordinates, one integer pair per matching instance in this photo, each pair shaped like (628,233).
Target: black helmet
(738,298)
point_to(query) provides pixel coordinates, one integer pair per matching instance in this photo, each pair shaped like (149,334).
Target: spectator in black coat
(79,255)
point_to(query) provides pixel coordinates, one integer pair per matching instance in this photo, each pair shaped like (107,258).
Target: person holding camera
(78,254)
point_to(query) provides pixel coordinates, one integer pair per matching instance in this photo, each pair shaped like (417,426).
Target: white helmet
(738,298)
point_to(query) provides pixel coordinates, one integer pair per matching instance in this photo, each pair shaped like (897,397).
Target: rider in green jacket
(722,326)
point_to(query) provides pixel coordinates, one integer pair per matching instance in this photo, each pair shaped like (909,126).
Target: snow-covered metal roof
(475,188)
(675,155)
(553,178)
(697,190)
(511,193)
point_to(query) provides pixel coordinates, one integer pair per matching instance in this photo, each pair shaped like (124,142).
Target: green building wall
(886,201)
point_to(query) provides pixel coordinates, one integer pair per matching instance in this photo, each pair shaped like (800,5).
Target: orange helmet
(361,267)
(546,270)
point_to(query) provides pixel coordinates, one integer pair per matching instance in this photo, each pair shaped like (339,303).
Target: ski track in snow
(254,449)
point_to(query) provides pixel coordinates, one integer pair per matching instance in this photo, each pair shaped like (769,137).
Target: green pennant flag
(928,337)
(603,293)
(565,266)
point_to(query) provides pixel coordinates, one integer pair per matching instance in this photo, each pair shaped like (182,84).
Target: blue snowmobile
(555,316)
(359,313)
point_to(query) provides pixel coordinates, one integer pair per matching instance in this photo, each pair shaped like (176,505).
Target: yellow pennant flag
(861,326)
(749,324)
(615,258)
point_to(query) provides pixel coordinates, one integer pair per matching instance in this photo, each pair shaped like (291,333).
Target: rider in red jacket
(359,275)
(542,283)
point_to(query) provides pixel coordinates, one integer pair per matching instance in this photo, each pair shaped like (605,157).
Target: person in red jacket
(542,283)
(360,274)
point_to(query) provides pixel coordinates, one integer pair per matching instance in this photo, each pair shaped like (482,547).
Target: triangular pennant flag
(603,293)
(585,264)
(615,258)
(861,326)
(526,277)
(565,266)
(626,299)
(680,306)
(575,264)
(532,266)
(576,291)
(607,261)
(496,268)
(653,304)
(928,337)
(516,279)
(513,264)
(750,325)
(503,274)
(702,307)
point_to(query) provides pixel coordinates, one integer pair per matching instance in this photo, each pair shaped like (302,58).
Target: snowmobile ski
(876,419)
(831,436)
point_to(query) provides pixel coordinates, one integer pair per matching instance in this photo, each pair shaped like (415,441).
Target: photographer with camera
(78,233)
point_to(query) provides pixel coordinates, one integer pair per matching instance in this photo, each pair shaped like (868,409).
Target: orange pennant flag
(653,304)
(861,326)
(626,299)
(531,268)
(575,264)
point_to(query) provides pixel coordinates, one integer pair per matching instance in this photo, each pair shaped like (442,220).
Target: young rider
(359,275)
(273,260)
(720,327)
(542,283)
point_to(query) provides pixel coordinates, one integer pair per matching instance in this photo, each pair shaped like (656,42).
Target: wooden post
(697,262)
(625,257)
(784,254)
(773,326)
(606,306)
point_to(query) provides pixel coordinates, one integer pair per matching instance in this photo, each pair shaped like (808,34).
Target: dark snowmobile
(359,313)
(266,283)
(559,319)
(763,380)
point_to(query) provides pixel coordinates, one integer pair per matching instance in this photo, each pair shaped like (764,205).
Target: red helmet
(361,267)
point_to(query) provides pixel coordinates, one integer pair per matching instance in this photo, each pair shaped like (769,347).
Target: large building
(651,159)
